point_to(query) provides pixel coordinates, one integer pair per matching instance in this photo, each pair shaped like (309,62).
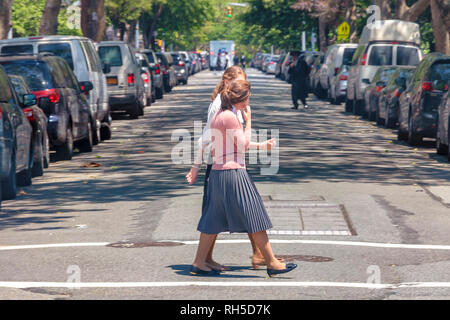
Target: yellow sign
(343,31)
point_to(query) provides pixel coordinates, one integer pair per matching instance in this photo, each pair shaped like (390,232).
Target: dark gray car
(181,69)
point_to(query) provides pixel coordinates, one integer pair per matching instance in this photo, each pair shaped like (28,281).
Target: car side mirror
(440,85)
(86,86)
(366,81)
(29,100)
(106,68)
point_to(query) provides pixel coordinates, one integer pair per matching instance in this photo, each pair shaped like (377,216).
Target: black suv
(60,96)
(418,116)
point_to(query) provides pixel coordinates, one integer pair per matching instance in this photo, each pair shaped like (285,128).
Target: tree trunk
(412,13)
(93,19)
(385,9)
(5,21)
(49,20)
(322,33)
(440,11)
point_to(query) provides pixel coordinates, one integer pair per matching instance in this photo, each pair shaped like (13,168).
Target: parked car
(157,76)
(187,60)
(62,98)
(147,77)
(266,60)
(181,69)
(338,85)
(390,43)
(443,133)
(203,60)
(81,55)
(335,57)
(388,102)
(373,93)
(16,148)
(418,116)
(271,64)
(125,85)
(168,70)
(315,73)
(278,66)
(257,60)
(196,63)
(38,121)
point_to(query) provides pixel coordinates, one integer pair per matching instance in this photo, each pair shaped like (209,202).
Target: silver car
(125,84)
(147,77)
(157,75)
(81,55)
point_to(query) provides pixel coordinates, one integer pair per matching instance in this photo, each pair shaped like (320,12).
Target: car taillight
(29,113)
(379,88)
(157,71)
(364,59)
(51,94)
(131,79)
(336,70)
(181,63)
(1,113)
(286,63)
(427,86)
(343,77)
(397,93)
(146,77)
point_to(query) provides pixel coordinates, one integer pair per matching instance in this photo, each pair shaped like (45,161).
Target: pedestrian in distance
(243,61)
(204,144)
(299,75)
(232,201)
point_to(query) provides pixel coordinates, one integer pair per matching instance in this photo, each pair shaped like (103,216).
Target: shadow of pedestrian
(183,269)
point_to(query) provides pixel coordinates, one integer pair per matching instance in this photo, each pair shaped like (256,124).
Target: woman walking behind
(204,143)
(232,201)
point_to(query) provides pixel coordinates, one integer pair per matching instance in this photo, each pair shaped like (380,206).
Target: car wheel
(87,144)
(46,145)
(348,105)
(38,167)
(413,138)
(134,112)
(159,93)
(357,107)
(379,120)
(96,136)
(441,149)
(9,185)
(389,121)
(65,152)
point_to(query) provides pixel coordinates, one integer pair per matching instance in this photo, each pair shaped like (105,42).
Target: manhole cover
(305,258)
(144,244)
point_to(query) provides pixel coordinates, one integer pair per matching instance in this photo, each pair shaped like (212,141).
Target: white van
(82,57)
(335,57)
(386,43)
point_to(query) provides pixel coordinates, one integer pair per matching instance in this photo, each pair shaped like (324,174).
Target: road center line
(240,241)
(268,283)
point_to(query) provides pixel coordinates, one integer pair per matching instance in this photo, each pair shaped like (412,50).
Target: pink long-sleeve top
(229,141)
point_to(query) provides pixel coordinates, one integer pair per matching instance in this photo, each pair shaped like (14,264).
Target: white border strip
(268,283)
(239,241)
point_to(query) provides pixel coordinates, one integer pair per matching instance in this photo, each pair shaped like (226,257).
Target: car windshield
(175,56)
(380,56)
(275,59)
(407,56)
(150,57)
(440,71)
(35,73)
(111,55)
(62,50)
(28,49)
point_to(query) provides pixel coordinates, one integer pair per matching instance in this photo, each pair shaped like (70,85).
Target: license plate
(112,81)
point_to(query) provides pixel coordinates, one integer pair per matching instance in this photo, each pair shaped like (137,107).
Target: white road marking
(268,283)
(239,241)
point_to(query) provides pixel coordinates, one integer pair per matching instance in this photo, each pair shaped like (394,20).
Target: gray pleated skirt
(232,203)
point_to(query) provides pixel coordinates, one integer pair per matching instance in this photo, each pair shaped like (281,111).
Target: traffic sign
(343,31)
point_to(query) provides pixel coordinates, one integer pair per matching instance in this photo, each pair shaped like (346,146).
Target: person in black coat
(299,75)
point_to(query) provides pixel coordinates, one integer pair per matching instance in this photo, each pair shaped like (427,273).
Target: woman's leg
(204,246)
(210,261)
(261,241)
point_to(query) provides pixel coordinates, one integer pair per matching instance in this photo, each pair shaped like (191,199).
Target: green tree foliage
(26,19)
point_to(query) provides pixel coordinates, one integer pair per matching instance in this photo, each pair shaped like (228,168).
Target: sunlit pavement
(364,217)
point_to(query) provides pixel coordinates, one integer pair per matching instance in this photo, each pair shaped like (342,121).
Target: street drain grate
(307,215)
(305,258)
(144,244)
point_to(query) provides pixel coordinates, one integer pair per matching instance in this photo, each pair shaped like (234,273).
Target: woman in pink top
(233,203)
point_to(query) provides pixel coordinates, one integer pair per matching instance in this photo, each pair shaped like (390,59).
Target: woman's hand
(247,114)
(191,177)
(269,144)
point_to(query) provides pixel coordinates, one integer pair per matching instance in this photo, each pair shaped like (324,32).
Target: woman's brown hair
(237,91)
(230,73)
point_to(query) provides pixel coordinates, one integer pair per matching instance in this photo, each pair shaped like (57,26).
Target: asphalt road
(364,217)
